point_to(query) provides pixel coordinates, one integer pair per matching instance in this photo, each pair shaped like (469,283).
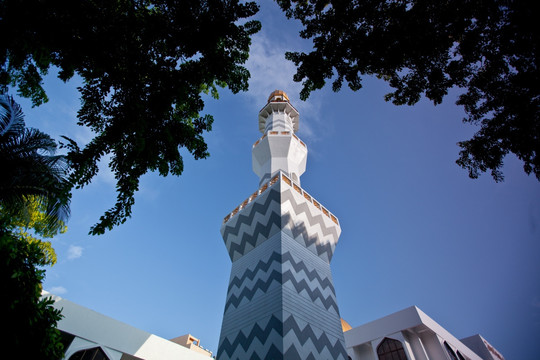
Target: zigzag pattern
(287,276)
(313,231)
(305,335)
(292,354)
(251,239)
(263,266)
(249,274)
(273,353)
(243,342)
(262,285)
(236,238)
(316,294)
(312,275)
(324,251)
(303,288)
(314,220)
(306,342)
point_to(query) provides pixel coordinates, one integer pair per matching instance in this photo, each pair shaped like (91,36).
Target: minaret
(280,302)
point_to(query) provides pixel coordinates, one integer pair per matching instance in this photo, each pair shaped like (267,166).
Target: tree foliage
(34,202)
(30,319)
(488,48)
(145,65)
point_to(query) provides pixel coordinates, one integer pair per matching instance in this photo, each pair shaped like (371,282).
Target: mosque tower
(280,302)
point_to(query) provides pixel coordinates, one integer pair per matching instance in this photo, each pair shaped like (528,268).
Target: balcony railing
(290,183)
(273,133)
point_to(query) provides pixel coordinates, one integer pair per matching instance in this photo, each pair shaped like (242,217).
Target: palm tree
(30,169)
(33,181)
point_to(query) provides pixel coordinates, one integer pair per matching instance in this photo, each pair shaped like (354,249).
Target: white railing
(288,181)
(273,132)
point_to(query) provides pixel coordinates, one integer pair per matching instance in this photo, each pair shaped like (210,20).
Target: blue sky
(415,229)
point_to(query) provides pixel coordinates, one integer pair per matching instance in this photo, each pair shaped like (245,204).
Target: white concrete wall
(279,152)
(416,346)
(364,352)
(433,346)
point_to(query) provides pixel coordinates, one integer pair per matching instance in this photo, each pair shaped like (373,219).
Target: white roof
(105,331)
(411,318)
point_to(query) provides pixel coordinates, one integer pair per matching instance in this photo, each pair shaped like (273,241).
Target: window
(390,349)
(450,352)
(96,353)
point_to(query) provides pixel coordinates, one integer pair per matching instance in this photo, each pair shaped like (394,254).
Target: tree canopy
(31,319)
(145,65)
(488,49)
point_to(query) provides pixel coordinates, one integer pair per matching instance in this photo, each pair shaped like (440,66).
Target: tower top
(278,108)
(278,95)
(279,149)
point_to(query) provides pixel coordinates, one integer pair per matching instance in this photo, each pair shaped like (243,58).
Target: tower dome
(279,96)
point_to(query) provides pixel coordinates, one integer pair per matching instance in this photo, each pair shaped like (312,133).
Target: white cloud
(74,252)
(271,71)
(58,290)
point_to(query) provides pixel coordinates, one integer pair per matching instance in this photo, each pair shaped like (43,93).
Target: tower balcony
(278,114)
(268,185)
(280,205)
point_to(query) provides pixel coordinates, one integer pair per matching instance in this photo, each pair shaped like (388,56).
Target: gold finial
(279,96)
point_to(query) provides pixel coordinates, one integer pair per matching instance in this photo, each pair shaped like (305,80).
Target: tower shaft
(281,302)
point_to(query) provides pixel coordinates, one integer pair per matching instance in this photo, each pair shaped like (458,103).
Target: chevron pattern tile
(281,302)
(280,208)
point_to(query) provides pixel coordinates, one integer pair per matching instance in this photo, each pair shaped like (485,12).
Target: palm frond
(30,168)
(11,117)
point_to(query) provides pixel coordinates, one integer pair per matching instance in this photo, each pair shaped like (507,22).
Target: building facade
(281,302)
(410,334)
